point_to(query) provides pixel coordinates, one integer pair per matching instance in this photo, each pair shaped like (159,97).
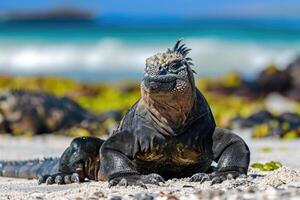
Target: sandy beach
(283,183)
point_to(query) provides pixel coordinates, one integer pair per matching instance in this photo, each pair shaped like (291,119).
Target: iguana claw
(216,177)
(136,180)
(60,178)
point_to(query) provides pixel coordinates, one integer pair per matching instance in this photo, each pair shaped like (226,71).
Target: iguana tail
(29,168)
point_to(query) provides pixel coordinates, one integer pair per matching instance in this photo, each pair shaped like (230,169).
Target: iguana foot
(60,178)
(136,180)
(216,177)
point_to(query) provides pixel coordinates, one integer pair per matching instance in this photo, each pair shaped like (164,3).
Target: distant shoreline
(59,13)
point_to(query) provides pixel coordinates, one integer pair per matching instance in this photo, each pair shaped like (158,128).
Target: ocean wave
(211,56)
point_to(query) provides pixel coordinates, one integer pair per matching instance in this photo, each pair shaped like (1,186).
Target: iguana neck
(170,111)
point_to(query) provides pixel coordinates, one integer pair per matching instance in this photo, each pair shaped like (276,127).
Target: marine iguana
(23,111)
(168,133)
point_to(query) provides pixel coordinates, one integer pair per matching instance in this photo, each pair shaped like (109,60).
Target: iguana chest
(170,153)
(172,161)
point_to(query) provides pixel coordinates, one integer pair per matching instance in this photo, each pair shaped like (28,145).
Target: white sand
(280,184)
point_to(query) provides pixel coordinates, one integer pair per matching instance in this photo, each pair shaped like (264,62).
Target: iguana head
(168,88)
(169,71)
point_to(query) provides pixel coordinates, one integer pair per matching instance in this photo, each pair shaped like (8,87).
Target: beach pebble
(144,196)
(116,198)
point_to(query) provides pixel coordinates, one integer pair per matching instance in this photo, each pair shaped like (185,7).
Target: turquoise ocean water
(104,50)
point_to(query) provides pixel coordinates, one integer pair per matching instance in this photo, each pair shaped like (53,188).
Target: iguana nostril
(162,70)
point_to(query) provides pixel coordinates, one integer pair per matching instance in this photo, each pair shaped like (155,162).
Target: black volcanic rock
(60,13)
(294,70)
(274,80)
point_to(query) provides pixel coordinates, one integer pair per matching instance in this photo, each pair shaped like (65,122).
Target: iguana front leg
(232,155)
(117,167)
(79,161)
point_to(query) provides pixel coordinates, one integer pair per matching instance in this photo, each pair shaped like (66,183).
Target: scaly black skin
(80,158)
(29,168)
(24,111)
(140,152)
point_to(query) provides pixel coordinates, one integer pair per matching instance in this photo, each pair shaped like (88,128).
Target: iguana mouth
(160,83)
(161,78)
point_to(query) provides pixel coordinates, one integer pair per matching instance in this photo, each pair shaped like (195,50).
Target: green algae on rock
(268,166)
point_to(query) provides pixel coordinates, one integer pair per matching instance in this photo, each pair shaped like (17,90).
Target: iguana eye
(174,66)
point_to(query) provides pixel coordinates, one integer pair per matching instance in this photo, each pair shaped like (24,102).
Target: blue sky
(179,8)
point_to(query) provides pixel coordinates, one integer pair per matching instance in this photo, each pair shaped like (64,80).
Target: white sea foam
(211,56)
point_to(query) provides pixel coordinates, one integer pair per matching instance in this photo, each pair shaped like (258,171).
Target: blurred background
(109,40)
(93,53)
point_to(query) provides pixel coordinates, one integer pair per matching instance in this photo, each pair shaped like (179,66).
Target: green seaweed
(266,149)
(262,130)
(291,135)
(268,166)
